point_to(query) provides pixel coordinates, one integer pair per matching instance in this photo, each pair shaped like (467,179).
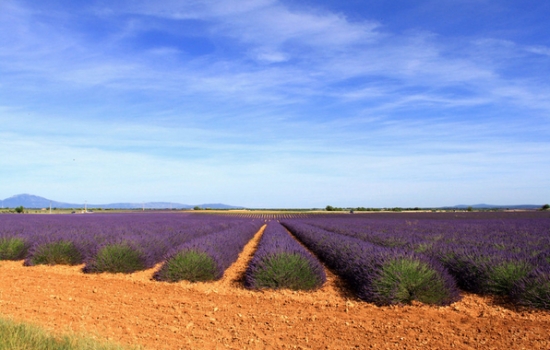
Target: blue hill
(32,201)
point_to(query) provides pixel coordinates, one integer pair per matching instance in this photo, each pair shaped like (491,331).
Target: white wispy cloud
(541,50)
(326,49)
(308,100)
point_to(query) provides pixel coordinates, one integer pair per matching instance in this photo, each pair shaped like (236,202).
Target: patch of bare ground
(133,309)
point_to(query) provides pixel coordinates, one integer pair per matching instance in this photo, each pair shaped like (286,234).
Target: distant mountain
(32,201)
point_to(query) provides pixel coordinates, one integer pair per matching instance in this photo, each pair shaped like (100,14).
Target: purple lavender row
(504,257)
(281,262)
(380,275)
(459,244)
(151,245)
(206,258)
(530,236)
(73,239)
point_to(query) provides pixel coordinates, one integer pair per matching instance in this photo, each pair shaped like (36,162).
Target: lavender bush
(103,241)
(533,290)
(380,275)
(487,253)
(54,252)
(13,248)
(207,258)
(483,270)
(281,262)
(123,257)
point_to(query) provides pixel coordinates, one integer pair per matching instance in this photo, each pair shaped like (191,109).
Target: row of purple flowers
(281,262)
(378,274)
(508,257)
(151,237)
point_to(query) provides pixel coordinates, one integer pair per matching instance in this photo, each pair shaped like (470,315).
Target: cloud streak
(262,94)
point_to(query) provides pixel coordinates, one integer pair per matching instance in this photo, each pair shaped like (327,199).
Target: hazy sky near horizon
(266,103)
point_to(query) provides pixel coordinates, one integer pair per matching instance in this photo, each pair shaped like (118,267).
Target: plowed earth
(133,309)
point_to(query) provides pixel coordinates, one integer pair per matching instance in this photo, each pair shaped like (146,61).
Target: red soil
(133,309)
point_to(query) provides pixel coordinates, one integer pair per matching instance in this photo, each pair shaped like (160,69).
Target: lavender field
(384,258)
(110,242)
(506,254)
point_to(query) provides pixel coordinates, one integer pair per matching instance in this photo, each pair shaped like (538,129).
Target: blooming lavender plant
(207,257)
(281,262)
(483,270)
(377,274)
(533,290)
(486,254)
(103,241)
(13,248)
(57,250)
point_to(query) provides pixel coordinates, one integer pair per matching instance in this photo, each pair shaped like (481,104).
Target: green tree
(546,207)
(19,209)
(329,208)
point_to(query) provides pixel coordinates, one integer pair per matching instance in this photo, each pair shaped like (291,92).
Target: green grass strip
(23,336)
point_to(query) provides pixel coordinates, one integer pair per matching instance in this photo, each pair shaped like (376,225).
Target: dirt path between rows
(133,309)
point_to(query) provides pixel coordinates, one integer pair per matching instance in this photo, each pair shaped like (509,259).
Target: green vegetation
(404,280)
(545,207)
(188,265)
(12,248)
(533,291)
(60,252)
(22,336)
(20,209)
(118,258)
(423,247)
(502,278)
(286,270)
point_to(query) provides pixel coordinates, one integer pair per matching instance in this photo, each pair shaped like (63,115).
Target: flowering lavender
(281,262)
(486,253)
(13,248)
(61,248)
(377,274)
(533,290)
(104,242)
(207,257)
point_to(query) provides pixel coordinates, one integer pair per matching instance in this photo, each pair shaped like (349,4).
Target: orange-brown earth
(133,309)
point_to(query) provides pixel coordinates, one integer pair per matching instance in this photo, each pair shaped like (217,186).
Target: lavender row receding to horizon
(223,247)
(368,268)
(153,234)
(494,255)
(277,248)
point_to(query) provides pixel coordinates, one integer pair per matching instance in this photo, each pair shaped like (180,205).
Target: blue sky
(270,103)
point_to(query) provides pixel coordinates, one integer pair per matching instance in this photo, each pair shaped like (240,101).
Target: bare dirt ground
(133,309)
